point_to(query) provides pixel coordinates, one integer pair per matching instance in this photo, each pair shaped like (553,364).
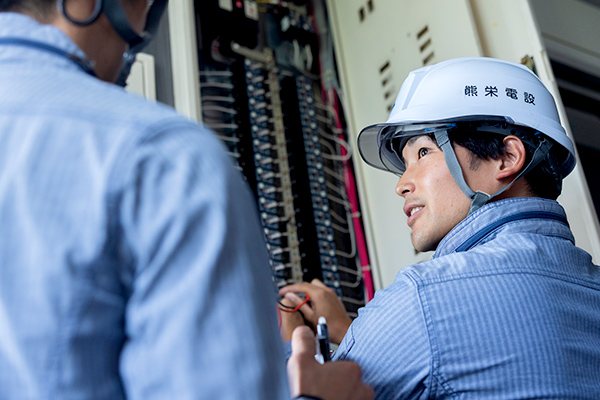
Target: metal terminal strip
(318,189)
(269,146)
(284,170)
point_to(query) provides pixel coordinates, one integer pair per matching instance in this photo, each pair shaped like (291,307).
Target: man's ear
(513,160)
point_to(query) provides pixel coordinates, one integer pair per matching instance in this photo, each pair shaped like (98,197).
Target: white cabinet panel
(141,80)
(377,42)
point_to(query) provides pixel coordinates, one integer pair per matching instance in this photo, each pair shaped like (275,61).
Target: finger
(305,308)
(368,392)
(289,322)
(293,298)
(319,283)
(296,287)
(304,287)
(353,373)
(303,342)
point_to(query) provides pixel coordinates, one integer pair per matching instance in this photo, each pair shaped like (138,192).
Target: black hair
(40,8)
(7,5)
(544,180)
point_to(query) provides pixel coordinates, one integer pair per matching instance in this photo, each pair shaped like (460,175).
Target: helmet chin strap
(118,20)
(479,199)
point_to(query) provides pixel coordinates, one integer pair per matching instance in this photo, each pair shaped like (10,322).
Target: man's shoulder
(512,255)
(122,126)
(111,100)
(490,259)
(450,267)
(117,113)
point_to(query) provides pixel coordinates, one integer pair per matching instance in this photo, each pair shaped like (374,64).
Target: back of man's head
(38,8)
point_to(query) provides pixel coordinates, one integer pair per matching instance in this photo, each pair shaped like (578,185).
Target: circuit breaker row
(261,93)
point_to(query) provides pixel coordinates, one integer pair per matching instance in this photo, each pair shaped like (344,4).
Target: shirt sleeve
(201,317)
(389,341)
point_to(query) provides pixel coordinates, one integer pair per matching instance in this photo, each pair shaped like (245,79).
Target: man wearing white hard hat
(508,307)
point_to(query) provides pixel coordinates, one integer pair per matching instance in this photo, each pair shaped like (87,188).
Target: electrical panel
(263,52)
(267,88)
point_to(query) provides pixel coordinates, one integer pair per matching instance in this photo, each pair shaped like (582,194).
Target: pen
(323,337)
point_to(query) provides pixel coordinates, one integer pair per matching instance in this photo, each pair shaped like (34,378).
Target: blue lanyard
(82,63)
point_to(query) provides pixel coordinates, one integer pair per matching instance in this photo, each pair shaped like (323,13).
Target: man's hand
(289,320)
(338,380)
(323,303)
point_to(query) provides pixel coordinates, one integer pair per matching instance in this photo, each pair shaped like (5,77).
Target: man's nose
(404,185)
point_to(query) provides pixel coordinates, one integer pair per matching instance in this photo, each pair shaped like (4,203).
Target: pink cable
(330,97)
(350,184)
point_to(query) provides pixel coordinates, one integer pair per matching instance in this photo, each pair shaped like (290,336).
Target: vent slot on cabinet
(387,84)
(364,9)
(425,45)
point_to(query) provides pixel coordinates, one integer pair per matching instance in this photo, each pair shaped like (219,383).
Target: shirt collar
(17,25)
(489,218)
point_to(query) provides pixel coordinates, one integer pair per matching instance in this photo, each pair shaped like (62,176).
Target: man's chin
(422,245)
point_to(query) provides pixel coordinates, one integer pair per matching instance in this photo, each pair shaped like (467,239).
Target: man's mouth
(411,212)
(414,210)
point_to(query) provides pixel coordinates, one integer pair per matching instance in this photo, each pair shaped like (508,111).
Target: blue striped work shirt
(508,308)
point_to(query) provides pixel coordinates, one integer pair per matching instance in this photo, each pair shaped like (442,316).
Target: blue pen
(323,338)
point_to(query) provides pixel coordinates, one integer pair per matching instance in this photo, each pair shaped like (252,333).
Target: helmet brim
(369,147)
(381,145)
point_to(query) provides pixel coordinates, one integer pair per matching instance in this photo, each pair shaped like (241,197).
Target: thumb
(301,365)
(303,342)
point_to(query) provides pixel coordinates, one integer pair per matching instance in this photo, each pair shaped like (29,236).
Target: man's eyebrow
(412,140)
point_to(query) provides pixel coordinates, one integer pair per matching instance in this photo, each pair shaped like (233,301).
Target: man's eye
(423,151)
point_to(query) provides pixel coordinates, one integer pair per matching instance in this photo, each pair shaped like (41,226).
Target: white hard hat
(466,89)
(433,99)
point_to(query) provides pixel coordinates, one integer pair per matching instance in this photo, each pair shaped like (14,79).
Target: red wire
(297,307)
(279,313)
